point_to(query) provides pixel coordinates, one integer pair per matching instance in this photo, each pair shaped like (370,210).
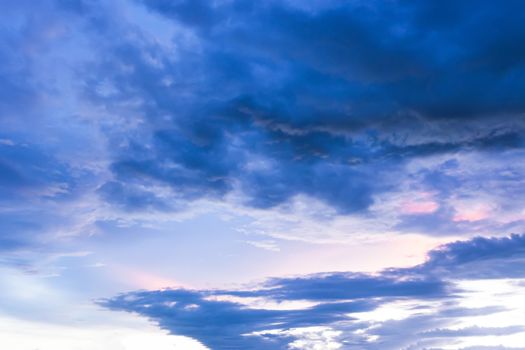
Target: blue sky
(232,174)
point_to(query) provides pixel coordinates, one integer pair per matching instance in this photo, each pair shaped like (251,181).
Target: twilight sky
(275,174)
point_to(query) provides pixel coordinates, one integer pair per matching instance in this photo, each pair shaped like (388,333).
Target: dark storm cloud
(436,58)
(276,99)
(269,99)
(222,323)
(329,101)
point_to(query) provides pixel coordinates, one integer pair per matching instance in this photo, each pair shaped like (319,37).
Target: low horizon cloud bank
(427,306)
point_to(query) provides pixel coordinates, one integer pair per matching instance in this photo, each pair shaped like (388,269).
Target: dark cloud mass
(274,99)
(232,323)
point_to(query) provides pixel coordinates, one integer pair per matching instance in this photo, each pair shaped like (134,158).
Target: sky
(277,174)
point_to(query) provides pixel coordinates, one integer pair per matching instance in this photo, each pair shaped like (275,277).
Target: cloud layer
(387,110)
(275,100)
(425,302)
